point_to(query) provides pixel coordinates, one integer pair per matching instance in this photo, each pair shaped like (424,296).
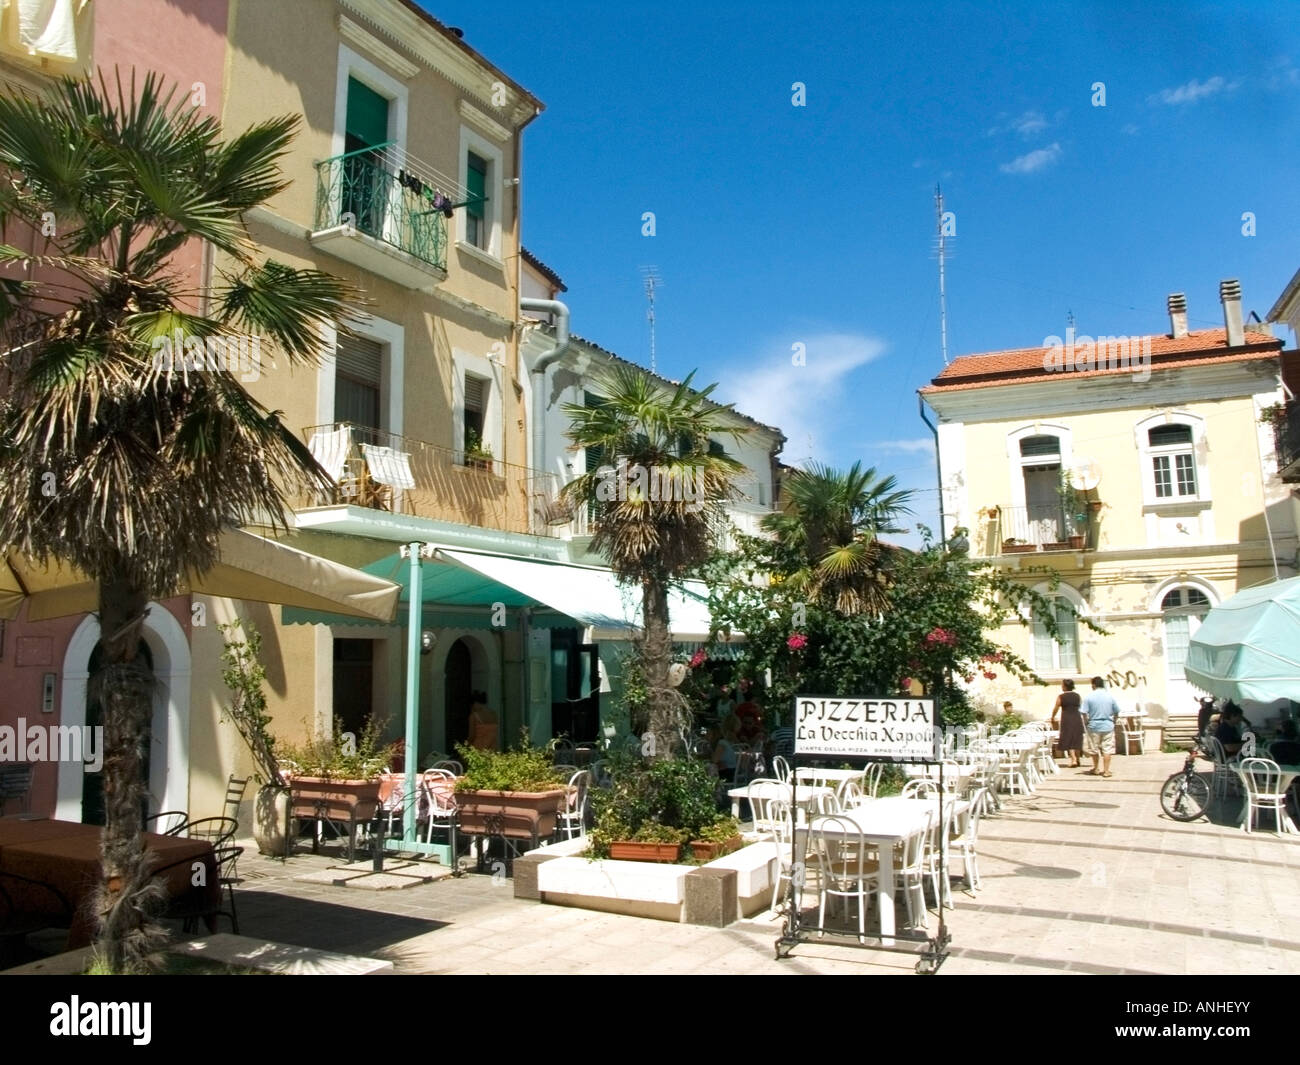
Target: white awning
(590,595)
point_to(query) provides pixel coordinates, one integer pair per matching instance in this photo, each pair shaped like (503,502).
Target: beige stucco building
(1139,474)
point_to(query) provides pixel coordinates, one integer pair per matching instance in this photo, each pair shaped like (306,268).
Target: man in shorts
(1100,712)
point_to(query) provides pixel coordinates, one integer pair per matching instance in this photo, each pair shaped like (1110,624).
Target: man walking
(1100,712)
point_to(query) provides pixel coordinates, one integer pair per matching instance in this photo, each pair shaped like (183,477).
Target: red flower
(990,676)
(940,635)
(907,683)
(698,658)
(797,642)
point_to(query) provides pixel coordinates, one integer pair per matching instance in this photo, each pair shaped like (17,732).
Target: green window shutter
(476,185)
(367,118)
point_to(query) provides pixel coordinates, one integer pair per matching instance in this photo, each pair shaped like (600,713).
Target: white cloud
(812,404)
(1026,124)
(1192,91)
(1031,161)
(924,444)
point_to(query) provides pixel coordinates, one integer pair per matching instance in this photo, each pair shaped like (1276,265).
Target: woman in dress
(1071,723)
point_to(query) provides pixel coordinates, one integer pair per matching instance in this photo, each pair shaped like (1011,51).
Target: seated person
(724,749)
(751,722)
(1285,750)
(1230,728)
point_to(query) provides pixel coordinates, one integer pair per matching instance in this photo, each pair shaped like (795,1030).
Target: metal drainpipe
(561,312)
(938,465)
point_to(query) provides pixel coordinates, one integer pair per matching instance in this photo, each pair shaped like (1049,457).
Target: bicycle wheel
(1185,797)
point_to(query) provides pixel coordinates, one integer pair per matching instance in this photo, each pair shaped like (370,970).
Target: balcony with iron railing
(1286,431)
(382,218)
(387,473)
(1012,530)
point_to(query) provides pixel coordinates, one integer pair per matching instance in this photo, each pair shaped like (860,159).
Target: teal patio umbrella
(1248,647)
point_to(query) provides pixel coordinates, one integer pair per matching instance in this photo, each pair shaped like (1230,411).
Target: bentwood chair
(846,871)
(963,846)
(572,818)
(439,787)
(451,765)
(1263,780)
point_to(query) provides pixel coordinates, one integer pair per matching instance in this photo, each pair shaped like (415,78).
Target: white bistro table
(774,790)
(833,777)
(886,822)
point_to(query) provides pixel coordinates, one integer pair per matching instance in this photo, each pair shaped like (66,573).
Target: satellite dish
(1085,475)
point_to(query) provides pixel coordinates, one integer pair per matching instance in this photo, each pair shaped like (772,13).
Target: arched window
(1183,609)
(1171,450)
(1051,656)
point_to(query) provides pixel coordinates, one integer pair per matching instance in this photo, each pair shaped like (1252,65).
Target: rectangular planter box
(628,851)
(707,852)
(1019,549)
(514,814)
(354,800)
(1057,545)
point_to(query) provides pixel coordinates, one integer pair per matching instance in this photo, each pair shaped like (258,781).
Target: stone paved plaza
(1087,875)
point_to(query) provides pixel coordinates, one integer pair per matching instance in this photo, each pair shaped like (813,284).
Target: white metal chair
(871,778)
(851,795)
(748,767)
(909,863)
(451,765)
(763,795)
(573,815)
(1011,771)
(1263,781)
(828,803)
(963,845)
(1225,778)
(920,788)
(846,871)
(781,769)
(936,852)
(439,787)
(781,836)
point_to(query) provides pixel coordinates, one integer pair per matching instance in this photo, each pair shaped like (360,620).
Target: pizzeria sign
(902,729)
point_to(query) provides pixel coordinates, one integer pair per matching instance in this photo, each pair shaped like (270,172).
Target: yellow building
(1136,471)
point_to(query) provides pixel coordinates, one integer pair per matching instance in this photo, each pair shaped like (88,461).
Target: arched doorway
(459,687)
(1183,608)
(169,733)
(92,793)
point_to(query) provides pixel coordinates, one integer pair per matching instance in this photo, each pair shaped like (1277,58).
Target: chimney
(1230,297)
(1177,315)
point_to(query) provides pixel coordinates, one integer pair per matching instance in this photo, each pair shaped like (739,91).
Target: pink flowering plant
(937,622)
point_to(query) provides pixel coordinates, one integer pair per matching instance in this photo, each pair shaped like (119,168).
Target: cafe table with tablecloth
(66,856)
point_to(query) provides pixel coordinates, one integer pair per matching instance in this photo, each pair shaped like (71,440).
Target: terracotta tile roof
(1023,365)
(543,269)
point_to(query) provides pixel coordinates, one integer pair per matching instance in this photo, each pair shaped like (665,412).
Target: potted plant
(1012,546)
(516,793)
(244,676)
(478,455)
(715,840)
(338,779)
(1074,515)
(652,809)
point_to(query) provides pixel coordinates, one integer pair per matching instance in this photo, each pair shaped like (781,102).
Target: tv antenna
(943,253)
(650,276)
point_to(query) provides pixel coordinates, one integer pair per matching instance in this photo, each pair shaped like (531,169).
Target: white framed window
(1183,609)
(482,175)
(1051,655)
(477,417)
(363,374)
(1171,450)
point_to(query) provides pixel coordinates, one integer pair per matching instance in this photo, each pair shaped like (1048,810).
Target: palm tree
(123,464)
(657,501)
(831,528)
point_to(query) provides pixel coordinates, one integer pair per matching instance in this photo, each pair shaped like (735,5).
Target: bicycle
(1185,796)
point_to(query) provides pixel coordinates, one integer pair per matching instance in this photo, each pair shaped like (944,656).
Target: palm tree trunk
(125,688)
(656,651)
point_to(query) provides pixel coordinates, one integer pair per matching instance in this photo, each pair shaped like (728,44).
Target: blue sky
(779,225)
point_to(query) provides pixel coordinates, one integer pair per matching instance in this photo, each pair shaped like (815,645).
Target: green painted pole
(414,624)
